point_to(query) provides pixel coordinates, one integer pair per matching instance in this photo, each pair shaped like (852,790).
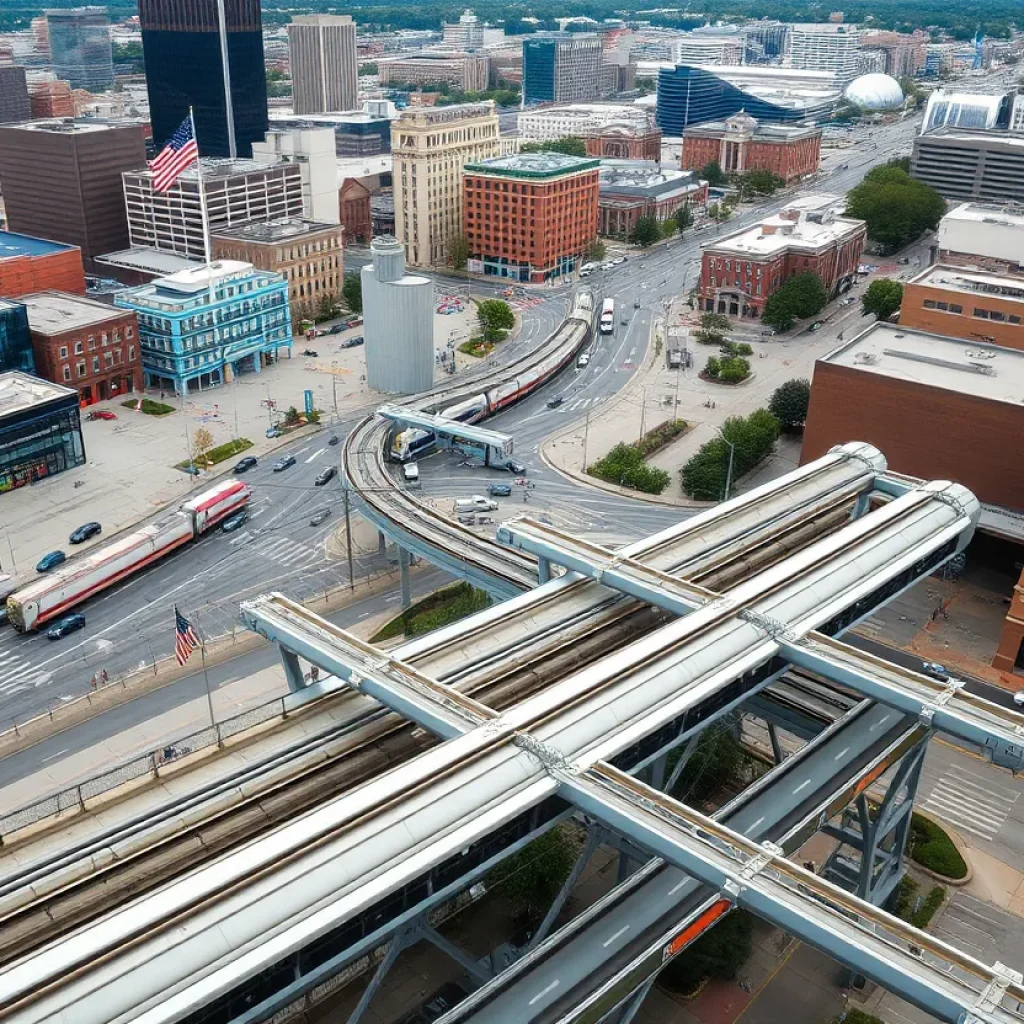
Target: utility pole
(334,387)
(643,410)
(586,432)
(728,472)
(348,539)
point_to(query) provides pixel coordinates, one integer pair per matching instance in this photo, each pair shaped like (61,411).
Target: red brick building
(631,189)
(530,217)
(84,344)
(30,264)
(624,142)
(51,99)
(740,144)
(740,271)
(354,208)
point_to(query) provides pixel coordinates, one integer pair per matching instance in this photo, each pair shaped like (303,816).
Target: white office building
(312,150)
(465,34)
(578,119)
(825,47)
(708,49)
(325,72)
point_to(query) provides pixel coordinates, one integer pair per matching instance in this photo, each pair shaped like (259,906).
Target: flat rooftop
(19,391)
(57,312)
(990,137)
(146,260)
(977,282)
(778,233)
(982,371)
(534,165)
(73,126)
(276,230)
(1009,215)
(13,245)
(225,167)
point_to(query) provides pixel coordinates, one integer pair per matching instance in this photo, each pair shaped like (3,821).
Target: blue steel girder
(935,977)
(943,705)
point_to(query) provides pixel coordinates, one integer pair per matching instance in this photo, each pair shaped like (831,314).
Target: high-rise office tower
(325,73)
(62,180)
(80,47)
(562,69)
(185,50)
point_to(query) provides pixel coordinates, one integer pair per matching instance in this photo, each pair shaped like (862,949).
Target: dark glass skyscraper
(182,49)
(15,339)
(80,47)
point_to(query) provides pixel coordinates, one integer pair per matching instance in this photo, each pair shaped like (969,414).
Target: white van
(478,503)
(411,472)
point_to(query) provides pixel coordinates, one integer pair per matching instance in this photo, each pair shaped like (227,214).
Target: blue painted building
(199,327)
(15,338)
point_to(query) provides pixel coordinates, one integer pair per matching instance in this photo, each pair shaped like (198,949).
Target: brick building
(51,99)
(740,143)
(972,305)
(624,142)
(30,264)
(84,344)
(739,271)
(308,255)
(530,217)
(461,71)
(631,189)
(354,206)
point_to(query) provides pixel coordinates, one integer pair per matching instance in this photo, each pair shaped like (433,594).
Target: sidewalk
(130,472)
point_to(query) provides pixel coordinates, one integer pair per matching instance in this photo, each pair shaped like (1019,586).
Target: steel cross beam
(945,706)
(936,977)
(441,425)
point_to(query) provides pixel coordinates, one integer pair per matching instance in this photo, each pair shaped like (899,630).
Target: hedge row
(930,847)
(624,465)
(436,610)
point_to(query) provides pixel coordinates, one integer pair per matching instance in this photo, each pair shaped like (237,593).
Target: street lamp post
(728,471)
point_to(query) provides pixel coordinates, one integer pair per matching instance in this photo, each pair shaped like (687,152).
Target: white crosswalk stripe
(970,801)
(286,551)
(17,674)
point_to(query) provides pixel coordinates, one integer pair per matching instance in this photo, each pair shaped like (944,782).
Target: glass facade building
(80,47)
(538,71)
(40,430)
(192,341)
(15,338)
(181,46)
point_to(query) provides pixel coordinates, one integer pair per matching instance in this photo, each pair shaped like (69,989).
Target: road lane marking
(803,785)
(675,888)
(315,455)
(842,753)
(612,938)
(878,725)
(544,991)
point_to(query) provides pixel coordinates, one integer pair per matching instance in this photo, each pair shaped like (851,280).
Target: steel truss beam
(944,705)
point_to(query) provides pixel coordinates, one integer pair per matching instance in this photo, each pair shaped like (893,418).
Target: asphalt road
(132,624)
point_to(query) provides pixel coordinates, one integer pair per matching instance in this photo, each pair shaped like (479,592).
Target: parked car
(353,342)
(338,329)
(515,467)
(499,490)
(618,261)
(68,624)
(636,303)
(478,503)
(101,414)
(817,325)
(245,464)
(283,464)
(84,532)
(3,614)
(555,401)
(275,432)
(1018,698)
(933,668)
(320,517)
(334,439)
(192,469)
(235,521)
(325,476)
(310,352)
(583,360)
(50,561)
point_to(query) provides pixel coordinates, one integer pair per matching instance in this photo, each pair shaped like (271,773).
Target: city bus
(608,316)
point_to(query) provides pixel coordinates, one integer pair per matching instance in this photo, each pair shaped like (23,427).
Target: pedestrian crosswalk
(18,673)
(582,403)
(288,552)
(970,801)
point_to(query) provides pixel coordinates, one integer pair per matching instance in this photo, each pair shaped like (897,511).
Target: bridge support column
(636,1000)
(403,562)
(677,771)
(292,670)
(543,570)
(406,937)
(382,544)
(776,748)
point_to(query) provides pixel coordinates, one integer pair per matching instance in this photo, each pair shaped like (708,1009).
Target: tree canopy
(647,231)
(458,251)
(713,174)
(684,217)
(496,318)
(704,475)
(789,403)
(896,207)
(568,145)
(712,328)
(882,297)
(352,292)
(799,297)
(718,953)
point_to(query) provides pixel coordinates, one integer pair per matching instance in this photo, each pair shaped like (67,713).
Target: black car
(320,517)
(234,522)
(338,329)
(554,403)
(281,464)
(68,624)
(326,476)
(84,532)
(334,439)
(247,463)
(353,342)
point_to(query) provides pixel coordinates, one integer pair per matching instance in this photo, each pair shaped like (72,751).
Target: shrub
(436,610)
(930,847)
(727,369)
(704,475)
(624,465)
(656,439)
(737,348)
(149,406)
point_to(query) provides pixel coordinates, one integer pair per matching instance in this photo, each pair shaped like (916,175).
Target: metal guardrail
(149,764)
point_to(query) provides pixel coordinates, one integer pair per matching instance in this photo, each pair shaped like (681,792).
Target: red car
(102,414)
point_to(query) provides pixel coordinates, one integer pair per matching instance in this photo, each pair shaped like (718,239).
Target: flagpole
(206,678)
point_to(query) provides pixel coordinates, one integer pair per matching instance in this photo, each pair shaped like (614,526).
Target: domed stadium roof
(875,92)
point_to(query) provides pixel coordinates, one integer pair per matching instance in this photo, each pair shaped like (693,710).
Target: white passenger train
(559,350)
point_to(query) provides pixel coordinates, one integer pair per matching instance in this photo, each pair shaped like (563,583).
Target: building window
(96,363)
(81,369)
(929,304)
(64,354)
(78,344)
(131,353)
(67,372)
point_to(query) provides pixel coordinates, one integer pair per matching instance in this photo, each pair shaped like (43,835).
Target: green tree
(754,436)
(624,465)
(712,328)
(896,207)
(719,953)
(327,308)
(799,297)
(129,53)
(728,369)
(368,69)
(569,145)
(532,878)
(596,251)
(352,292)
(646,232)
(496,318)
(882,297)
(684,217)
(458,251)
(668,227)
(789,403)
(760,183)
(719,212)
(713,174)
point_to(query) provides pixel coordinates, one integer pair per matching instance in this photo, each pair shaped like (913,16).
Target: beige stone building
(430,147)
(307,254)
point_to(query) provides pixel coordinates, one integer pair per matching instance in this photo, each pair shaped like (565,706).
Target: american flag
(176,157)
(185,639)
